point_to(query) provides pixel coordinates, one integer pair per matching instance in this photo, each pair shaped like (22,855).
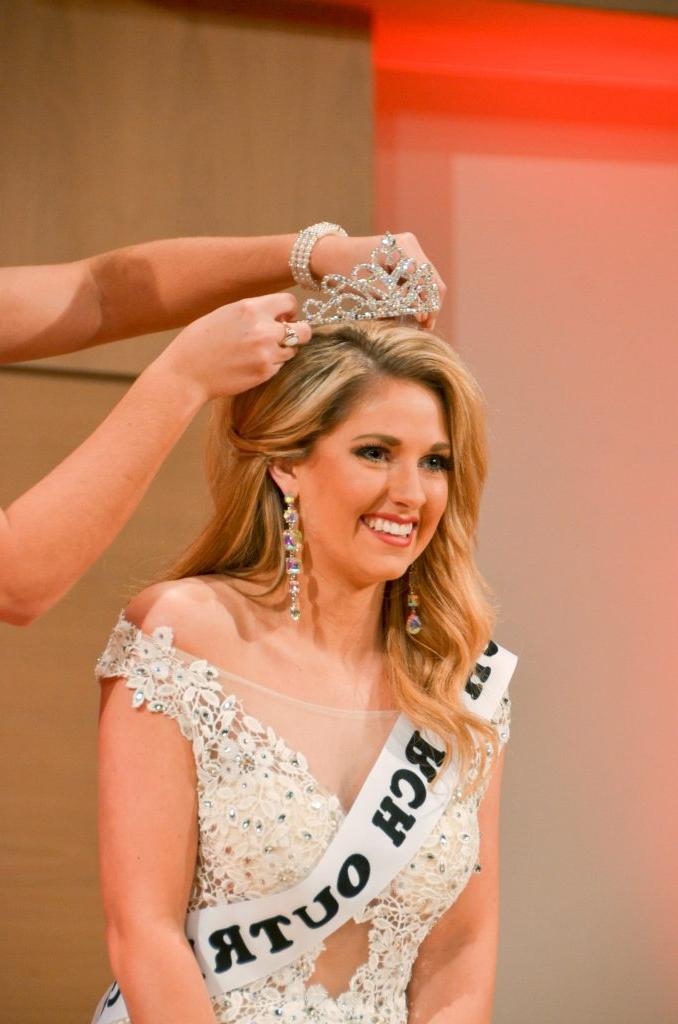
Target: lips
(390,530)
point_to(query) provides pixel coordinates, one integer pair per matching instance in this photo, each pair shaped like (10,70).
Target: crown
(391,285)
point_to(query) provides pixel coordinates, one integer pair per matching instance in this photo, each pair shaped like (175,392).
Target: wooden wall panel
(52,953)
(127,121)
(122,122)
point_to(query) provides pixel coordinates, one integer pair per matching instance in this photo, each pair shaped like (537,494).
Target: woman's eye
(438,462)
(371,452)
(377,453)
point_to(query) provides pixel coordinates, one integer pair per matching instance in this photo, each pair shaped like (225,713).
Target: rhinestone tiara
(391,285)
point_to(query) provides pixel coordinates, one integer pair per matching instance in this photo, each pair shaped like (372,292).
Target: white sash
(396,808)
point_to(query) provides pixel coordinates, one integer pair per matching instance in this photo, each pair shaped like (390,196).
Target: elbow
(123,945)
(118,950)
(26,588)
(16,611)
(129,941)
(21,604)
(25,594)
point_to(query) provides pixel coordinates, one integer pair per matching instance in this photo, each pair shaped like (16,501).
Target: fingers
(409,244)
(442,287)
(427,320)
(302,329)
(280,305)
(303,332)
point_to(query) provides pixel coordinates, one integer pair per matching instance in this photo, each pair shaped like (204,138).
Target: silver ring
(291,339)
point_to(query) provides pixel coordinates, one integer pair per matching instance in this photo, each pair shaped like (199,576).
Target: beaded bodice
(269,806)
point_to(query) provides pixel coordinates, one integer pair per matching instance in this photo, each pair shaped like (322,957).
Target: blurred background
(533,148)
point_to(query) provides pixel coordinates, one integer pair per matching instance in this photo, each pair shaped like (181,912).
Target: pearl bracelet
(300,256)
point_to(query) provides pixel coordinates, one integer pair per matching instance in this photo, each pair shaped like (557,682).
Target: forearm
(154,286)
(161,285)
(52,534)
(160,979)
(457,989)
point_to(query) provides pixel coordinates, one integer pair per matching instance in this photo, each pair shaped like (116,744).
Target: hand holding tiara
(339,256)
(391,285)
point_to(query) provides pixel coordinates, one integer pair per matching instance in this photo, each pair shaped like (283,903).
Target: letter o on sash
(360,864)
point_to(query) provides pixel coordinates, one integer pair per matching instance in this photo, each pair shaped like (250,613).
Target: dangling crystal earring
(413,623)
(292,540)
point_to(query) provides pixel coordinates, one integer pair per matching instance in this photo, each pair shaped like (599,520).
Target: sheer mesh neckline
(309,705)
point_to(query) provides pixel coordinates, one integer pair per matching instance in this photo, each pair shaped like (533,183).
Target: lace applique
(502,720)
(264,822)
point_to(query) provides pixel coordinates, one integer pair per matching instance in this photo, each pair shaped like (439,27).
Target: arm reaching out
(52,534)
(155,286)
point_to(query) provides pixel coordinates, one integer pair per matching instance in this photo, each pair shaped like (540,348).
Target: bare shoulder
(162,604)
(194,608)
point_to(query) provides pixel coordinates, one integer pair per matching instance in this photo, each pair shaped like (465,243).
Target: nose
(405,486)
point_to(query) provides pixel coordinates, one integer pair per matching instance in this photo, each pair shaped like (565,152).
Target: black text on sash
(407,785)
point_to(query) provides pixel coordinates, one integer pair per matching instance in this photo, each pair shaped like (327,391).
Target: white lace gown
(276,777)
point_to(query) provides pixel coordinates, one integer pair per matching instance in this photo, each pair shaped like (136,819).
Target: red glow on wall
(519,59)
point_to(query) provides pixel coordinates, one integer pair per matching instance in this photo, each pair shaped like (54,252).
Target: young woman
(267,674)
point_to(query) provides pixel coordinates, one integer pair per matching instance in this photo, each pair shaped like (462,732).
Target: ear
(283,472)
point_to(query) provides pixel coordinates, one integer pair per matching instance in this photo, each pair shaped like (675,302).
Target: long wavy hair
(283,418)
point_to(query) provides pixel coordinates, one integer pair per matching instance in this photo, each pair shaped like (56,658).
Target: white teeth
(388,526)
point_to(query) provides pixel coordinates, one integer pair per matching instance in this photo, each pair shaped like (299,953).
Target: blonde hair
(283,418)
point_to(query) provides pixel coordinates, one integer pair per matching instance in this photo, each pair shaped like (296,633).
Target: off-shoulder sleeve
(149,665)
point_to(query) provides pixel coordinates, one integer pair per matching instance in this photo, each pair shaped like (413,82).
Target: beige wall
(560,244)
(54,963)
(122,122)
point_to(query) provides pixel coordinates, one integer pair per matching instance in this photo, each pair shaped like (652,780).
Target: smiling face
(373,490)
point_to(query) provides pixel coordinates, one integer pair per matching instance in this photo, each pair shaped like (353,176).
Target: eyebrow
(395,441)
